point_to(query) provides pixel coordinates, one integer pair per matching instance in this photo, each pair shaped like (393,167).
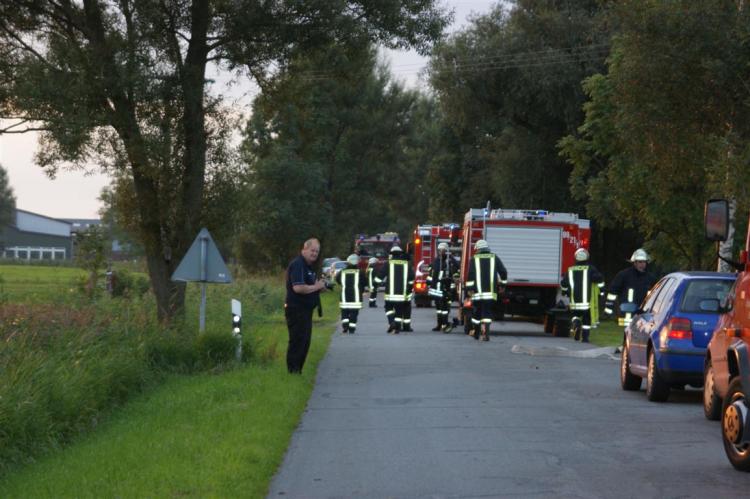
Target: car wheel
(657,389)
(628,380)
(711,400)
(734,413)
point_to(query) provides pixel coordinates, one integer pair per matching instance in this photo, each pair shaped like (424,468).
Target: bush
(126,284)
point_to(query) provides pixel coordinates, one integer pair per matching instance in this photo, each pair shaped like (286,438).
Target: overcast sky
(74,194)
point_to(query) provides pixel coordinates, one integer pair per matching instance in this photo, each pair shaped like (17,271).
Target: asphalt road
(437,415)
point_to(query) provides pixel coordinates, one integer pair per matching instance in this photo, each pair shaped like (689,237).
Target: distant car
(328,261)
(333,269)
(667,338)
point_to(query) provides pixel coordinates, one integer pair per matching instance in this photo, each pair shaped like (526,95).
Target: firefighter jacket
(398,279)
(582,284)
(629,286)
(486,271)
(352,287)
(440,279)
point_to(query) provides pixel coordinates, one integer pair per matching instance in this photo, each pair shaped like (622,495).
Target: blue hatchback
(667,338)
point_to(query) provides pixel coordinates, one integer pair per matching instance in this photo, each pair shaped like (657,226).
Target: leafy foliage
(331,155)
(509,89)
(666,128)
(7,199)
(123,84)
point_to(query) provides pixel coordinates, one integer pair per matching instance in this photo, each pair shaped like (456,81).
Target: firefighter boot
(575,328)
(485,332)
(585,335)
(439,324)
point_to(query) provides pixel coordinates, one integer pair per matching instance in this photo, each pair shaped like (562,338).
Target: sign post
(203,263)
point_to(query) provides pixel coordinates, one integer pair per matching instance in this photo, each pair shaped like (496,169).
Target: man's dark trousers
(299,323)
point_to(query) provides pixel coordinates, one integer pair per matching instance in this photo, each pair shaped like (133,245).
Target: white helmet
(443,246)
(581,255)
(396,249)
(481,245)
(372,261)
(640,255)
(352,259)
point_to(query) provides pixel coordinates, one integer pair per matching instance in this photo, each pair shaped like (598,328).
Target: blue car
(667,339)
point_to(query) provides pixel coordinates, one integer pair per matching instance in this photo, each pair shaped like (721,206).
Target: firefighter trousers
(442,309)
(399,315)
(482,314)
(373,297)
(584,318)
(349,319)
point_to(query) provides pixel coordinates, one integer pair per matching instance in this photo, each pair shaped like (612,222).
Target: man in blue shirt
(302,296)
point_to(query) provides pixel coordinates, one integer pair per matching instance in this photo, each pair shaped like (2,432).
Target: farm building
(31,236)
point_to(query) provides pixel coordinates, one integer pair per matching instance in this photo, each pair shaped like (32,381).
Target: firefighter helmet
(481,245)
(353,259)
(581,255)
(443,247)
(640,255)
(396,249)
(372,261)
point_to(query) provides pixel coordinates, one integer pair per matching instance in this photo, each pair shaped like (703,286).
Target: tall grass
(66,364)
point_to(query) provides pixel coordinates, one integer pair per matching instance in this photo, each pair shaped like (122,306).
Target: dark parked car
(667,339)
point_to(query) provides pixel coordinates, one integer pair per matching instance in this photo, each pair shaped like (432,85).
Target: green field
(38,284)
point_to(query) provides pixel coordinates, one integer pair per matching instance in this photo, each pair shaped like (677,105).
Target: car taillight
(420,285)
(679,328)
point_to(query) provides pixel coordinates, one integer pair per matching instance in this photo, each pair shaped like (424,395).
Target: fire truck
(536,247)
(423,250)
(376,246)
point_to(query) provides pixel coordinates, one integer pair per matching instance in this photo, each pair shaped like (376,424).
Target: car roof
(701,274)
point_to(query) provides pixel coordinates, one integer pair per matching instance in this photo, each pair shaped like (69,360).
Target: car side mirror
(709,305)
(716,219)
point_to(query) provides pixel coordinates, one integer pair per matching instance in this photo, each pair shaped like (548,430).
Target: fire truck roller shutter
(529,254)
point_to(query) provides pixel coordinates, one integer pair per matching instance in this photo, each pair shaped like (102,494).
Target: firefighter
(630,285)
(487,276)
(398,278)
(441,285)
(372,286)
(582,283)
(352,287)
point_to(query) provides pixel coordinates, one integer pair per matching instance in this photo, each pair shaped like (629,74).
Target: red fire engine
(376,246)
(423,250)
(536,248)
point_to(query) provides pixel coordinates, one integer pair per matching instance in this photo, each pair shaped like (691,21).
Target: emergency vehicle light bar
(508,214)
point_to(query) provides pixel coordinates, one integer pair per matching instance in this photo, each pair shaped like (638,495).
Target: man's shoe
(408,330)
(391,329)
(436,328)
(485,337)
(447,328)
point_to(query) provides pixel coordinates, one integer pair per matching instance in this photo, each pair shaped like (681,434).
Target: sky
(74,194)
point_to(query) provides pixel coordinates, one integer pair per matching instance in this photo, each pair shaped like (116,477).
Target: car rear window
(704,289)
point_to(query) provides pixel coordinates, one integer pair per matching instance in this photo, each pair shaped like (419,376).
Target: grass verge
(193,436)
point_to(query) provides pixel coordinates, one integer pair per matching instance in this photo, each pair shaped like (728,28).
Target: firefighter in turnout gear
(352,287)
(398,279)
(630,285)
(442,285)
(582,283)
(486,274)
(372,286)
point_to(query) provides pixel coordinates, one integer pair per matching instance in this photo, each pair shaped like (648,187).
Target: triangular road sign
(203,262)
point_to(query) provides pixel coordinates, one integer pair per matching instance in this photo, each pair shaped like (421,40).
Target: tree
(124,82)
(331,153)
(509,87)
(7,199)
(667,126)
